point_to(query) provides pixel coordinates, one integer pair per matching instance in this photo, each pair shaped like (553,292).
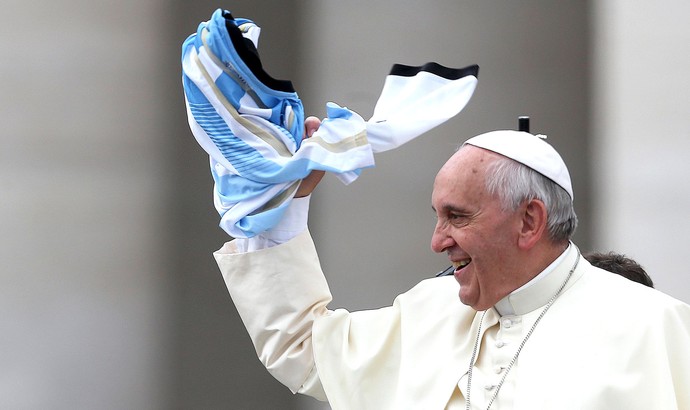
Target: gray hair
(515,183)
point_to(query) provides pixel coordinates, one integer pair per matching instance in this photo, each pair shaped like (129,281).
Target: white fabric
(292,224)
(277,308)
(530,150)
(607,342)
(411,106)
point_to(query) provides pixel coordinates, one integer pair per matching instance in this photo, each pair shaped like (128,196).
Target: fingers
(311,124)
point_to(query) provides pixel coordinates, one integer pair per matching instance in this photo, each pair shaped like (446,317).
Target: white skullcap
(527,149)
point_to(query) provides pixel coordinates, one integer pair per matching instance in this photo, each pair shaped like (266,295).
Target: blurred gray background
(109,295)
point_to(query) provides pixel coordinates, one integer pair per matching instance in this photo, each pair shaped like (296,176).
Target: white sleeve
(293,223)
(278,292)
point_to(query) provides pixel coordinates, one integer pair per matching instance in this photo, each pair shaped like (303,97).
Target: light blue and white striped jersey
(252,125)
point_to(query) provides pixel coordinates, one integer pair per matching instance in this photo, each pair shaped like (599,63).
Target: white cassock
(605,343)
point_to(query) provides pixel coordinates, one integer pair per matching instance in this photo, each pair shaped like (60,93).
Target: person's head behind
(621,265)
(500,221)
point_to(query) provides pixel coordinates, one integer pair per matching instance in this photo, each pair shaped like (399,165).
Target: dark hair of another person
(621,265)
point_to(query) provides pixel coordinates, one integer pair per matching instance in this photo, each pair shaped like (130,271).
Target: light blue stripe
(233,188)
(253,225)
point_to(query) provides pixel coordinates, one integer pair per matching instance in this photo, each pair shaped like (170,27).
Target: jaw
(471,299)
(469,286)
(471,292)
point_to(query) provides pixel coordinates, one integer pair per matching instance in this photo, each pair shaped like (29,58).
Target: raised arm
(276,283)
(278,292)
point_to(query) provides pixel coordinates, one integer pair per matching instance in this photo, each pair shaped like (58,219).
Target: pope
(524,321)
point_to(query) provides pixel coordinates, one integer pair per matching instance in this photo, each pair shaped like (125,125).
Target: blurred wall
(109,296)
(641,135)
(84,282)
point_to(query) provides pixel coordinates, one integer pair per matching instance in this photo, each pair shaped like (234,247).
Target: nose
(440,239)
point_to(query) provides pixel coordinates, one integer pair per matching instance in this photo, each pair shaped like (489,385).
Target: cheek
(489,253)
(477,242)
(501,238)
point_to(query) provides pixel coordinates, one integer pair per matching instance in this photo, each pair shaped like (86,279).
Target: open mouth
(461,264)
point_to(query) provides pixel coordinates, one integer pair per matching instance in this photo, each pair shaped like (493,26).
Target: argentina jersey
(251,125)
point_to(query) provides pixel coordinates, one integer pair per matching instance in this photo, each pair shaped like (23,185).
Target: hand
(311,124)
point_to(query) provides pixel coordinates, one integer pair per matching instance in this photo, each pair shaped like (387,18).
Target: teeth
(462,263)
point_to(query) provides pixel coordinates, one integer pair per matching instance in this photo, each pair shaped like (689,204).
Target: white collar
(538,290)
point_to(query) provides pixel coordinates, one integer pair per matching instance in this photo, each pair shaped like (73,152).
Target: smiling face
(479,237)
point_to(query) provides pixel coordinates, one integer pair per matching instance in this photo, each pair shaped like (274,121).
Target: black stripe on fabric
(248,53)
(435,68)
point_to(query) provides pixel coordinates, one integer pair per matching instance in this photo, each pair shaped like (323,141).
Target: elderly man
(535,327)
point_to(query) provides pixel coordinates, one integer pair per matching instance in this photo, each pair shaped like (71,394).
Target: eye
(452,216)
(457,218)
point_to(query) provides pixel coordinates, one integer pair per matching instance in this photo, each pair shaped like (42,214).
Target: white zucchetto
(530,150)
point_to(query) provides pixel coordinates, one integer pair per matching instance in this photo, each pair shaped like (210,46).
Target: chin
(464,300)
(476,305)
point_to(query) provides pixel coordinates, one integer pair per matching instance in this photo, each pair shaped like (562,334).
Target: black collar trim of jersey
(435,68)
(248,53)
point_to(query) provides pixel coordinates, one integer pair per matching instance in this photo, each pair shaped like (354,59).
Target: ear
(533,223)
